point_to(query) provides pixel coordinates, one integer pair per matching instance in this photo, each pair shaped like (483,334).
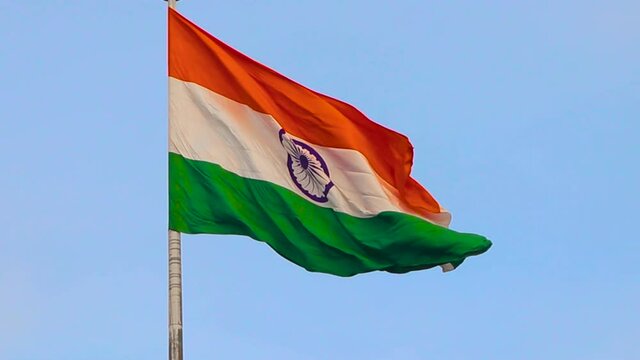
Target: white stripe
(209,127)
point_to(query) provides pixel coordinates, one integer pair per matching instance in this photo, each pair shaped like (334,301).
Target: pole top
(171,3)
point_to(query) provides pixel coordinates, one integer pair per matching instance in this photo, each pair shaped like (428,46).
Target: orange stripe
(198,57)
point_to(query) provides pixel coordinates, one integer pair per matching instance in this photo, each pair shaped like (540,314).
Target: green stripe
(205,198)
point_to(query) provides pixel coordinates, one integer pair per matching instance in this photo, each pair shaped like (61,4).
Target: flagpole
(175,297)
(175,283)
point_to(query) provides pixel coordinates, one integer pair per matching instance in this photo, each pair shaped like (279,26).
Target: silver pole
(175,297)
(175,284)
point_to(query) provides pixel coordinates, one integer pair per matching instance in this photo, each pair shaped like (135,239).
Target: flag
(254,153)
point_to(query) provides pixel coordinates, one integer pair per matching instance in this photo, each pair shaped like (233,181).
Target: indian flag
(254,153)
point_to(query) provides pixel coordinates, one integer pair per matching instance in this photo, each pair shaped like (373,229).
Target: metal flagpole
(175,284)
(175,297)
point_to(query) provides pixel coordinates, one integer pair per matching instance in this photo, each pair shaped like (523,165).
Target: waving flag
(254,153)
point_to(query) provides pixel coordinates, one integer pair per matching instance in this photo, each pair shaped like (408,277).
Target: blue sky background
(525,118)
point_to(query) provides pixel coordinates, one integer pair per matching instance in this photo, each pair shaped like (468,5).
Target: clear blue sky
(526,123)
